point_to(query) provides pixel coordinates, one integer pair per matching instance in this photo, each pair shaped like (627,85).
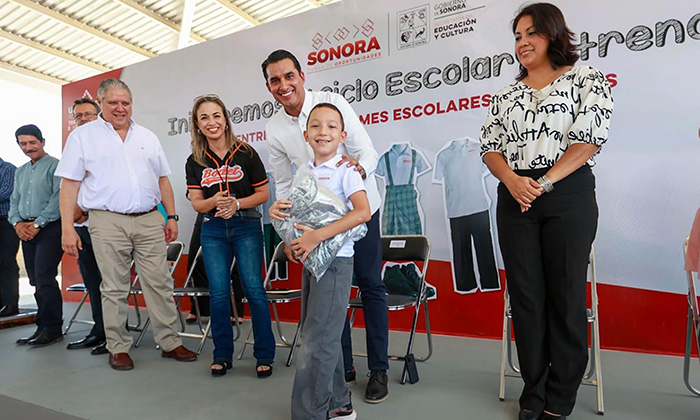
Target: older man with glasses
(84,111)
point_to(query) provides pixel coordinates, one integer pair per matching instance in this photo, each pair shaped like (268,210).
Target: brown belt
(137,214)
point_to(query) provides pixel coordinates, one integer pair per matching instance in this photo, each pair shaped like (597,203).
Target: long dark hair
(549,22)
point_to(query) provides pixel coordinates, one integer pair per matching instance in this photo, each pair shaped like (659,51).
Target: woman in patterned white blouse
(539,139)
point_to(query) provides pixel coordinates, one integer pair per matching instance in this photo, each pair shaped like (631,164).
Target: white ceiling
(61,41)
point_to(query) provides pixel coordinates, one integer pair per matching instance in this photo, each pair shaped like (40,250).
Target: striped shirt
(7,184)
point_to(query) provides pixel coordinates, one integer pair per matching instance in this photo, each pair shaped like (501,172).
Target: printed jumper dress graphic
(399,167)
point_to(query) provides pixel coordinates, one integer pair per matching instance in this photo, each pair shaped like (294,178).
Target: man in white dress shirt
(123,174)
(285,81)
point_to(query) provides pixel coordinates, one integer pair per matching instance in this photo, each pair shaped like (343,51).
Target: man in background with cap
(9,243)
(35,217)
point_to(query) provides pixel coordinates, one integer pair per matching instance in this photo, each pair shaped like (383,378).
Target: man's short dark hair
(81,101)
(29,130)
(277,56)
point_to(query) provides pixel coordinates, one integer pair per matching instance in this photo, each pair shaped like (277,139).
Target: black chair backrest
(279,255)
(405,248)
(174,251)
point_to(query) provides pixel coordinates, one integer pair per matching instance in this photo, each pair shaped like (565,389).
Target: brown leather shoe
(121,361)
(181,354)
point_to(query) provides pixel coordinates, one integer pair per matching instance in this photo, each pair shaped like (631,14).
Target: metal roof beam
(158,18)
(239,12)
(50,50)
(186,23)
(76,24)
(31,73)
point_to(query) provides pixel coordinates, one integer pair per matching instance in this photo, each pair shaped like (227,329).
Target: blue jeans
(221,240)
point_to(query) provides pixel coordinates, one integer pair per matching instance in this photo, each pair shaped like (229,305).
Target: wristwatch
(173,217)
(37,226)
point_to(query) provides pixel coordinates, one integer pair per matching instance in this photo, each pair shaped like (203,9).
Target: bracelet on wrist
(546,184)
(238,205)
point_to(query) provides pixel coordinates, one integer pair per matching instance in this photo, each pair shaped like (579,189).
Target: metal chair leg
(411,337)
(75,314)
(428,335)
(246,341)
(283,339)
(236,319)
(505,346)
(137,326)
(295,344)
(205,334)
(598,366)
(688,355)
(143,332)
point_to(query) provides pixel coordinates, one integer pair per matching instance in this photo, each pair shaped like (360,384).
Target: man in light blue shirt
(35,216)
(9,243)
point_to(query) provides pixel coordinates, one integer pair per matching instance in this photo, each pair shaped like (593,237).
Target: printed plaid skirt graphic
(400,216)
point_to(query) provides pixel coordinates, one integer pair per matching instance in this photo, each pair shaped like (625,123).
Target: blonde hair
(199,141)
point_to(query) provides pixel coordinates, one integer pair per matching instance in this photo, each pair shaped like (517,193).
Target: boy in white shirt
(320,391)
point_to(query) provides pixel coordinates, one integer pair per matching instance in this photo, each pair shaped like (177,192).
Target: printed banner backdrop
(422,73)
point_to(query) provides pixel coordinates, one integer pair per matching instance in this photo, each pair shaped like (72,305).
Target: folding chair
(189,290)
(80,287)
(173,252)
(275,297)
(693,325)
(414,248)
(594,375)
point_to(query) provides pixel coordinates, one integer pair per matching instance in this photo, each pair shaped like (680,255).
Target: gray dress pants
(319,383)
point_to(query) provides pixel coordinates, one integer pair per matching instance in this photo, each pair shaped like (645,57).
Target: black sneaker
(350,377)
(377,387)
(345,413)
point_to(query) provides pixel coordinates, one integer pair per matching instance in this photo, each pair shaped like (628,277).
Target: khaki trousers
(117,240)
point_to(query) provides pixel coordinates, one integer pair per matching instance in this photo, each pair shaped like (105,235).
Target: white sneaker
(344,413)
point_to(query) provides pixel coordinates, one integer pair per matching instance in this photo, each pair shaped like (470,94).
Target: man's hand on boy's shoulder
(353,162)
(277,208)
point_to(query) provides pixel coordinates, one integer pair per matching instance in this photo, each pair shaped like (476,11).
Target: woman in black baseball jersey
(539,139)
(226,181)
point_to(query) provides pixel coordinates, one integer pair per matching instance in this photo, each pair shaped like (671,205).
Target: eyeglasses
(205,97)
(86,115)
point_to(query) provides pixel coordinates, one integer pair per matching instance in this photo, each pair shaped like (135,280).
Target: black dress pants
(92,278)
(545,251)
(9,270)
(41,257)
(367,269)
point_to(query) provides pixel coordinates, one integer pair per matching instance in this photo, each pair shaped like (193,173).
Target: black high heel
(225,365)
(264,373)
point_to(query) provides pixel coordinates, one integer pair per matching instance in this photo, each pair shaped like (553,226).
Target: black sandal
(264,373)
(225,365)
